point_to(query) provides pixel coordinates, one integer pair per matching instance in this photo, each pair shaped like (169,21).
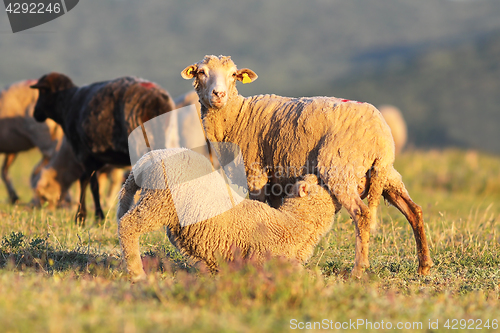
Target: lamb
(396,122)
(347,143)
(51,185)
(20,132)
(195,192)
(97,120)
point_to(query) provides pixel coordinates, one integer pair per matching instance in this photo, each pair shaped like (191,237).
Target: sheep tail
(126,196)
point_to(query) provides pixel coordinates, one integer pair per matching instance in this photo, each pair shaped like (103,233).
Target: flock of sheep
(305,157)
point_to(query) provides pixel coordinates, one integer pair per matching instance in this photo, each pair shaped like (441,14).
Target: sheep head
(47,189)
(215,80)
(48,87)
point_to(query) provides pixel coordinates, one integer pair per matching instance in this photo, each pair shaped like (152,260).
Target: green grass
(58,277)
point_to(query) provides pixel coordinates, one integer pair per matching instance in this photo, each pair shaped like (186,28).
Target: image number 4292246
(26,14)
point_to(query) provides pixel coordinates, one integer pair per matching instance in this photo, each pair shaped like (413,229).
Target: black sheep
(97,120)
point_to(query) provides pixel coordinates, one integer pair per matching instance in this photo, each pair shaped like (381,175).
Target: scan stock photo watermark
(24,14)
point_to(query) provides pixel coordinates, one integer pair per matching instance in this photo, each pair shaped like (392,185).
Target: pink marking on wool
(348,100)
(147,84)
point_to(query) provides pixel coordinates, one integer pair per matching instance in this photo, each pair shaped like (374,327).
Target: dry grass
(57,277)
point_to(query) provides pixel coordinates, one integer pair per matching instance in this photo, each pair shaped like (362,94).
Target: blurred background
(436,60)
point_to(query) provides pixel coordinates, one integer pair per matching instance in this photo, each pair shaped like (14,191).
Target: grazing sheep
(51,185)
(348,143)
(20,132)
(201,223)
(97,120)
(396,122)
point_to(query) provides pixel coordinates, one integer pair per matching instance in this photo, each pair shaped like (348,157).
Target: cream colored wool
(347,143)
(252,227)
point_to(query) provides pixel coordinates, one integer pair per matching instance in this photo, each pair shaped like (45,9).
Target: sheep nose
(219,94)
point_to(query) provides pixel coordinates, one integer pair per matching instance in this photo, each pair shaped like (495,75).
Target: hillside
(291,44)
(449,94)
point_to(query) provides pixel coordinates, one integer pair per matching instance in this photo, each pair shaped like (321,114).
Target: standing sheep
(397,124)
(201,222)
(20,132)
(348,143)
(97,120)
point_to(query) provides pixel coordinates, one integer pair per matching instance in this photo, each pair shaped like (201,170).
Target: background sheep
(251,226)
(396,122)
(97,120)
(54,180)
(348,143)
(63,169)
(19,131)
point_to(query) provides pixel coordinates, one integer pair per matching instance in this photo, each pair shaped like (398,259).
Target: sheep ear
(246,75)
(303,190)
(40,85)
(189,72)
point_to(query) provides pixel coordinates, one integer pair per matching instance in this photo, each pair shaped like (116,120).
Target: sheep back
(322,132)
(18,129)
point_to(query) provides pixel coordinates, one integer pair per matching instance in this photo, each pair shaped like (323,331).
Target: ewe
(347,143)
(181,191)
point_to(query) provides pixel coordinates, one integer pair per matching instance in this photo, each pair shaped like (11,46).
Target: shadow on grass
(20,253)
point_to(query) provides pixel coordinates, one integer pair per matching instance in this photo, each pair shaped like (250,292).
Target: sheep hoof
(80,219)
(14,199)
(357,272)
(99,215)
(425,268)
(138,278)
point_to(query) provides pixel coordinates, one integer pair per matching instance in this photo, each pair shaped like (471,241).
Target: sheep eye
(234,74)
(201,72)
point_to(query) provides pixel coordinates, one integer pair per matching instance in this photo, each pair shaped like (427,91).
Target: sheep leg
(130,227)
(129,242)
(360,214)
(397,195)
(81,213)
(9,159)
(375,178)
(94,187)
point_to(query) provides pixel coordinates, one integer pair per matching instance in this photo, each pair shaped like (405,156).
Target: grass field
(57,277)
